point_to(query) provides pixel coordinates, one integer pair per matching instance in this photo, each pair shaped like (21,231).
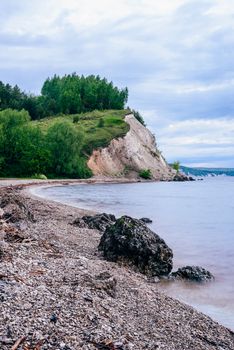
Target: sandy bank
(58,292)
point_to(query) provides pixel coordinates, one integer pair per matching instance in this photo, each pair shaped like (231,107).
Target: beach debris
(18,342)
(193,273)
(131,241)
(14,208)
(13,235)
(98,222)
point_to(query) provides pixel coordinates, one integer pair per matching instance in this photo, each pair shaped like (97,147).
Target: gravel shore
(57,292)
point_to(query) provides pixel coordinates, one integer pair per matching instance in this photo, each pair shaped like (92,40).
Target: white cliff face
(128,155)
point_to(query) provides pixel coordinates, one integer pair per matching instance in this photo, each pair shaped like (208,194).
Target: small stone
(88,298)
(53,318)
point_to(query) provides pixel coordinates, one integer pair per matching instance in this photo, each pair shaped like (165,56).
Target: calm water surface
(196,219)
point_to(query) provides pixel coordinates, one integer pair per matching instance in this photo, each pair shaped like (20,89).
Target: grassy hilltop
(98,127)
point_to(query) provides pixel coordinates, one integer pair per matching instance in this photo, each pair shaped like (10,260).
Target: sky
(175,56)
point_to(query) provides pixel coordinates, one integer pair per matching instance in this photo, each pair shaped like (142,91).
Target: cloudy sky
(175,56)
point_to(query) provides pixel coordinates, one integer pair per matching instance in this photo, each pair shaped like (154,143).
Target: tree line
(69,94)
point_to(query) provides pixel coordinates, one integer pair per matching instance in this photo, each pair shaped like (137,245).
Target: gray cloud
(178,64)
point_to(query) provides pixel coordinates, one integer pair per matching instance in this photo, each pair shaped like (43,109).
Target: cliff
(130,154)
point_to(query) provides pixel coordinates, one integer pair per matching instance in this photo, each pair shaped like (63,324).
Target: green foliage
(176,166)
(76,119)
(139,117)
(26,150)
(64,142)
(145,174)
(69,94)
(39,177)
(100,123)
(22,147)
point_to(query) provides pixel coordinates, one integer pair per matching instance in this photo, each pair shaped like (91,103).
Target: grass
(114,126)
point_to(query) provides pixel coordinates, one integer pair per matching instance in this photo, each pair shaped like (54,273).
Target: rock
(1,213)
(181,177)
(127,156)
(106,282)
(193,273)
(146,220)
(131,241)
(53,318)
(99,222)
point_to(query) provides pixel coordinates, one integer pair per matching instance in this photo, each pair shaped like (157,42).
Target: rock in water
(99,221)
(130,240)
(146,220)
(193,273)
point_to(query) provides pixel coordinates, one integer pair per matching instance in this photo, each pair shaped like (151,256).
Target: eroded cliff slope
(127,156)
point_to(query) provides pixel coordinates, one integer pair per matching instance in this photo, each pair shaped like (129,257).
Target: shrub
(76,119)
(100,123)
(176,166)
(139,117)
(145,174)
(39,177)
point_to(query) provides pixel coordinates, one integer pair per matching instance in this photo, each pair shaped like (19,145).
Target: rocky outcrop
(129,155)
(181,177)
(130,240)
(146,220)
(193,273)
(98,222)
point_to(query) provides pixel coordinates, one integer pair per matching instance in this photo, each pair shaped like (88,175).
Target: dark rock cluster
(181,177)
(99,221)
(193,273)
(132,241)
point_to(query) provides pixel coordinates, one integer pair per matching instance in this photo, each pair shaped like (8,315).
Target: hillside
(115,144)
(199,171)
(98,127)
(128,156)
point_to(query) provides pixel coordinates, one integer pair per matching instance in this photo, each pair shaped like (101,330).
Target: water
(196,219)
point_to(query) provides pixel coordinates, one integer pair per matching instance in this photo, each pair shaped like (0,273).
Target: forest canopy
(69,94)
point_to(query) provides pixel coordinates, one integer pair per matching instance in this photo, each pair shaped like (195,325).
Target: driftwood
(18,342)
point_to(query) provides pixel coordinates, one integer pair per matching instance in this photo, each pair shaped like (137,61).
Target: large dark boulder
(99,221)
(131,241)
(193,273)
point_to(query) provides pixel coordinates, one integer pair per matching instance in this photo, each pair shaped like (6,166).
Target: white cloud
(198,138)
(176,57)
